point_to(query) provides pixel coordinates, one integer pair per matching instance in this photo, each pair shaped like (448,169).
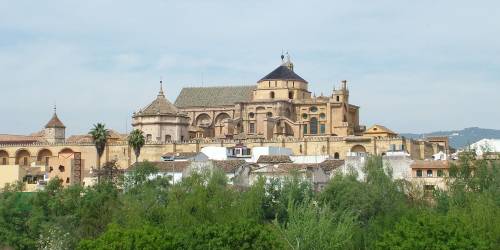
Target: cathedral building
(280,104)
(278,111)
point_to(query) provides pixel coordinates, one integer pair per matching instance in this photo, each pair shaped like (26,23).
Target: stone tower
(55,131)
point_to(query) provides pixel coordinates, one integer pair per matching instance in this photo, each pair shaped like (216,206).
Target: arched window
(272,95)
(336,156)
(168,138)
(338,98)
(429,173)
(322,129)
(419,173)
(4,156)
(269,114)
(149,137)
(290,95)
(251,115)
(314,126)
(313,109)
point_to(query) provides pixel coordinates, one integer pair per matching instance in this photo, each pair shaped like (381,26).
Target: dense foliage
(203,212)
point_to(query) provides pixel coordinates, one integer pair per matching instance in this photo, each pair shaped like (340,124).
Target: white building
(486,145)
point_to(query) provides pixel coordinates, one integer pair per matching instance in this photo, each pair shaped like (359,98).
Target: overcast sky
(413,66)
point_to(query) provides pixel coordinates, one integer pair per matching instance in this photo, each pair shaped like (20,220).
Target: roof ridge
(221,86)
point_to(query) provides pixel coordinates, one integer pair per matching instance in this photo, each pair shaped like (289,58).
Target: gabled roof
(331,164)
(283,72)
(213,96)
(274,159)
(376,129)
(229,166)
(55,122)
(181,155)
(296,166)
(19,139)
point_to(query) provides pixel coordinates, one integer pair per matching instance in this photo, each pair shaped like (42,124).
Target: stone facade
(161,121)
(279,105)
(278,112)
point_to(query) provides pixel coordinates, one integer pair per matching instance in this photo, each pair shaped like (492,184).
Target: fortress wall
(153,151)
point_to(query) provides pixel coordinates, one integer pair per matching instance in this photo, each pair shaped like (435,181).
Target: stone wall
(61,153)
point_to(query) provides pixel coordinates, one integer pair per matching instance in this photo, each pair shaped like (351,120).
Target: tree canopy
(204,212)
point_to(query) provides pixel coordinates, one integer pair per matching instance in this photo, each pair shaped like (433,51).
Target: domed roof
(283,72)
(160,106)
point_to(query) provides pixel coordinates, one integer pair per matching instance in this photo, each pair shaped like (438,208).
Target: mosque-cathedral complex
(279,110)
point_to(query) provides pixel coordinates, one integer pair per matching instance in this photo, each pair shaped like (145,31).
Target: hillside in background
(461,138)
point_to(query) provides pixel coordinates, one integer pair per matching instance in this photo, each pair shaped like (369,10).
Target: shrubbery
(203,212)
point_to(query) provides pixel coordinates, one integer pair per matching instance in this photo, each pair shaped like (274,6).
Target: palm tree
(136,141)
(100,137)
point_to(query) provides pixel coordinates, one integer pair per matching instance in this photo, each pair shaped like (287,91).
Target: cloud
(412,66)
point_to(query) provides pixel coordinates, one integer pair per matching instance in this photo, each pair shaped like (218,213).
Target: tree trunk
(98,169)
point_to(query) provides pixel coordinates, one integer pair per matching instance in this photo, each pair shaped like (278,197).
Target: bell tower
(342,94)
(55,131)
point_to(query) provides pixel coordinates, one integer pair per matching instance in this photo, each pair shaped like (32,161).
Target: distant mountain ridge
(461,138)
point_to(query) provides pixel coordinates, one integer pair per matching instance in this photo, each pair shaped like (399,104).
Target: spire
(161,89)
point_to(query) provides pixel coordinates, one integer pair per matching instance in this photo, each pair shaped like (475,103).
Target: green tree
(317,227)
(429,230)
(136,141)
(100,137)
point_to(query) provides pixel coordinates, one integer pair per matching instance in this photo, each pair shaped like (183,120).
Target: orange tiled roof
(14,139)
(55,122)
(430,164)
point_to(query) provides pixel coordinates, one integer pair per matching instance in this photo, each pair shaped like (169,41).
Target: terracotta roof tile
(329,165)
(159,106)
(229,166)
(273,159)
(55,122)
(19,139)
(430,164)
